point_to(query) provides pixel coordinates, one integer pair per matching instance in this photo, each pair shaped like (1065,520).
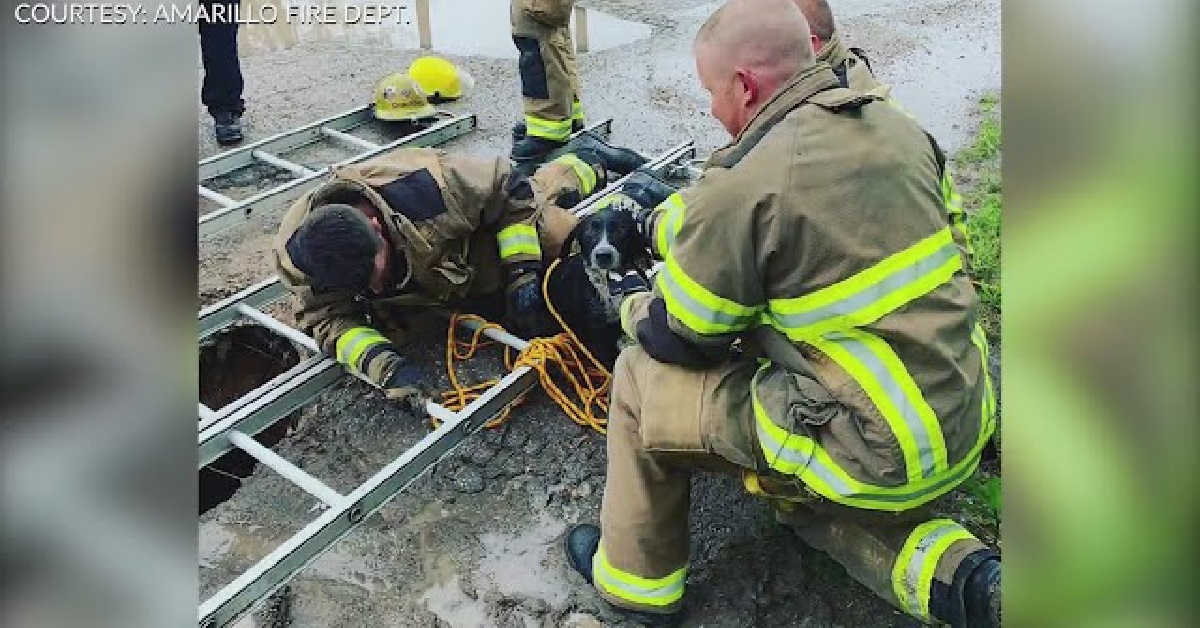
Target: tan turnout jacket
(822,230)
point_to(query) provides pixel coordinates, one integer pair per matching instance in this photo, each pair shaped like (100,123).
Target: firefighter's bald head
(747,51)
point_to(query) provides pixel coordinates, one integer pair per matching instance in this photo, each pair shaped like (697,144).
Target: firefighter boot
(614,158)
(581,543)
(973,600)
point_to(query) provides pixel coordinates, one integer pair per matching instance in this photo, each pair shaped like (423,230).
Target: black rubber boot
(227,127)
(534,150)
(982,595)
(518,130)
(616,159)
(581,543)
(973,600)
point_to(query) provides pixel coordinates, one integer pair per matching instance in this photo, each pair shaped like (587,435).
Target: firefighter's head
(344,246)
(746,52)
(820,21)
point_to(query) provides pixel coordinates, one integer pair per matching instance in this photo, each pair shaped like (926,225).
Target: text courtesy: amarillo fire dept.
(292,11)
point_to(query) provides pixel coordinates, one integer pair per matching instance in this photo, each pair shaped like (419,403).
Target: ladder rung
(312,485)
(217,197)
(281,163)
(283,330)
(207,414)
(348,139)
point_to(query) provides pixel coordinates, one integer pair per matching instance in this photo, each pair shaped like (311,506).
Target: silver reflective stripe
(669,284)
(918,595)
(775,450)
(887,382)
(813,465)
(668,591)
(873,293)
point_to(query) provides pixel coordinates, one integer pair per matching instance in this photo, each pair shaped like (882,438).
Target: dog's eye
(593,227)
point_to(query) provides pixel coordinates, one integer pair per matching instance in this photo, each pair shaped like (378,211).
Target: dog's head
(609,240)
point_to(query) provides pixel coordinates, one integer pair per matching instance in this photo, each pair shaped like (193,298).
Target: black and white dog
(587,285)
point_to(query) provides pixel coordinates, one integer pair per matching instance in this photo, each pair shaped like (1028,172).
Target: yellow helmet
(440,79)
(397,97)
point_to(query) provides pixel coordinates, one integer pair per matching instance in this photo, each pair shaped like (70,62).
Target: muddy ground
(473,543)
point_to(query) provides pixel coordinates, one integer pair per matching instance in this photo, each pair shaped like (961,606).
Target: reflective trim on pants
(660,592)
(557,130)
(912,575)
(518,239)
(583,170)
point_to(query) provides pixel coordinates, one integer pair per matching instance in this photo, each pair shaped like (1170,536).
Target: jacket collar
(834,52)
(807,83)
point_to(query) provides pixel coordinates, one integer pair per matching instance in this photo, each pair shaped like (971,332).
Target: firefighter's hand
(407,385)
(526,315)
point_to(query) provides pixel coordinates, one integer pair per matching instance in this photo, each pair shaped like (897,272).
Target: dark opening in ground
(233,363)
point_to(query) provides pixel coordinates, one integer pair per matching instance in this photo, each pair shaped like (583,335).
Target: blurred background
(97,473)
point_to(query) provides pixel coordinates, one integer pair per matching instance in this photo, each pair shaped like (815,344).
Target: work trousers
(541,30)
(665,422)
(221,90)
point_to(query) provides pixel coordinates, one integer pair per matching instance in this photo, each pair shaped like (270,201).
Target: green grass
(979,167)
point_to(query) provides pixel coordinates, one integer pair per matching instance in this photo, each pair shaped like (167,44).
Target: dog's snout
(605,257)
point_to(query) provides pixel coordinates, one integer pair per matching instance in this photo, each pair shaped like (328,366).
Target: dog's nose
(603,259)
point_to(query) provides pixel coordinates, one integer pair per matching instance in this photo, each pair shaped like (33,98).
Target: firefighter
(541,31)
(853,69)
(812,330)
(418,227)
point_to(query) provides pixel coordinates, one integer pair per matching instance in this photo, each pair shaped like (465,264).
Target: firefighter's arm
(339,323)
(709,290)
(957,217)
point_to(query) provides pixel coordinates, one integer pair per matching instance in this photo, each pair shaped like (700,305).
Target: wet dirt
(474,541)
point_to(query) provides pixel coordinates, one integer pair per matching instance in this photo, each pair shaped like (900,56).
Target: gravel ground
(473,542)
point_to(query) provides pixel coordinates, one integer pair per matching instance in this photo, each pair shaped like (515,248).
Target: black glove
(646,189)
(526,314)
(407,384)
(656,338)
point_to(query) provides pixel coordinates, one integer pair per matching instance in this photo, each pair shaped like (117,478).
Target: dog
(587,285)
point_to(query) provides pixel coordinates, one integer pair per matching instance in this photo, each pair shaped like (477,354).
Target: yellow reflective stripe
(663,591)
(577,111)
(548,129)
(700,310)
(583,170)
(803,457)
(353,343)
(872,293)
(989,394)
(518,239)
(912,575)
(876,367)
(670,220)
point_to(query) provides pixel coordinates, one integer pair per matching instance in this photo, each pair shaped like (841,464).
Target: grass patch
(978,167)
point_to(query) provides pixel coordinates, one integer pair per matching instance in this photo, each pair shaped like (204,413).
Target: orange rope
(559,358)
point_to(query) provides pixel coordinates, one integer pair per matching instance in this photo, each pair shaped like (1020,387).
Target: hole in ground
(233,363)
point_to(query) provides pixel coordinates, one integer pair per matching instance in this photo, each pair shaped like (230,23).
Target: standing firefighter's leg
(541,33)
(933,569)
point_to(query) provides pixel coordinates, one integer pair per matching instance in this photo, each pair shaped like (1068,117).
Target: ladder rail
(227,217)
(266,577)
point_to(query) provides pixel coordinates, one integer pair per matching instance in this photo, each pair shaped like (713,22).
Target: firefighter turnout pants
(541,30)
(666,421)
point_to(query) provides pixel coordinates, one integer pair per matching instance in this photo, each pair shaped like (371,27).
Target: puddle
(452,606)
(454,27)
(233,363)
(516,565)
(337,565)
